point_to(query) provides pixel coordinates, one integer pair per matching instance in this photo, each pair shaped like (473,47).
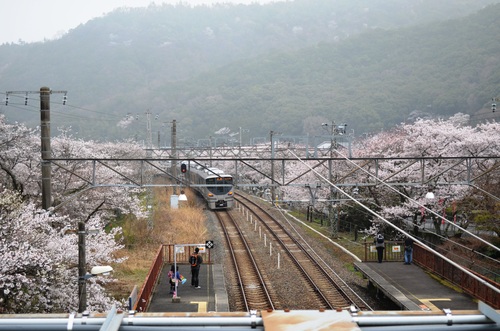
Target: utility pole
(272,166)
(45,143)
(173,143)
(273,190)
(149,176)
(82,285)
(335,130)
(46,152)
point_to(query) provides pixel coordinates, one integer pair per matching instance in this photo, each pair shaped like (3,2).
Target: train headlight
(210,195)
(230,193)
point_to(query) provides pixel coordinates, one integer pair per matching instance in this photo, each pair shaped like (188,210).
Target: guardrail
(394,252)
(473,286)
(165,255)
(150,282)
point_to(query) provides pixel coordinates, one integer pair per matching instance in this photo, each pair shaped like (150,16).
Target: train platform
(410,287)
(211,297)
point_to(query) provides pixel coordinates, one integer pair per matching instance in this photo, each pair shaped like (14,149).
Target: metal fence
(150,282)
(394,251)
(475,286)
(165,255)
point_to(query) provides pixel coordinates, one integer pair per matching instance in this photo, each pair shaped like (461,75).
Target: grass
(179,226)
(345,239)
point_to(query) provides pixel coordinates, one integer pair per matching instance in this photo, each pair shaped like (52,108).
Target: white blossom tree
(433,139)
(38,250)
(38,271)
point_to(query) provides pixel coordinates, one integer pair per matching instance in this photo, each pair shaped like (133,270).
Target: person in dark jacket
(380,246)
(408,250)
(195,260)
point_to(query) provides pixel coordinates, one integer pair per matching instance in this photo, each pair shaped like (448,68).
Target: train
(213,184)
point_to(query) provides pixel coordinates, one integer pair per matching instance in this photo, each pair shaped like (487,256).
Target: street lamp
(104,270)
(182,196)
(430,195)
(95,271)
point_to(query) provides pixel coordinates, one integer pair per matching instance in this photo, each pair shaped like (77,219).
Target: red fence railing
(165,255)
(150,282)
(477,288)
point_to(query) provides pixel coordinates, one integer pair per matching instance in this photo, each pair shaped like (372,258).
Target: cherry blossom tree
(431,140)
(38,270)
(39,248)
(19,155)
(436,139)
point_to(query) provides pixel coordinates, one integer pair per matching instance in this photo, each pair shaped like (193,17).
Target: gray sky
(36,20)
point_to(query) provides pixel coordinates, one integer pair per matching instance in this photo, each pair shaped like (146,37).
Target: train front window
(219,185)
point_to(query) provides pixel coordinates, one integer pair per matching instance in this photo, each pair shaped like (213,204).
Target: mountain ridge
(103,71)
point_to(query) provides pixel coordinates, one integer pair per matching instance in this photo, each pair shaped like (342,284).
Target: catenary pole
(82,285)
(45,146)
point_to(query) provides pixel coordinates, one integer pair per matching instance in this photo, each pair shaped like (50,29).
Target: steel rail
(254,265)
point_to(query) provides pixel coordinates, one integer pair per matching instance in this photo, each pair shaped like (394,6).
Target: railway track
(330,291)
(252,285)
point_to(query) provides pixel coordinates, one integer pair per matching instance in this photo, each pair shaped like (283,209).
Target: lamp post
(333,130)
(271,136)
(96,271)
(82,274)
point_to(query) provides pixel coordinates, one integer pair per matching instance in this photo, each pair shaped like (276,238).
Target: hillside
(292,63)
(371,82)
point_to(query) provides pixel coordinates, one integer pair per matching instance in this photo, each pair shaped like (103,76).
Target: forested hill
(284,66)
(372,82)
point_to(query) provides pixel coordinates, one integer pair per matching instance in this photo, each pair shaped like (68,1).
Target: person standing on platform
(380,246)
(408,250)
(171,278)
(195,260)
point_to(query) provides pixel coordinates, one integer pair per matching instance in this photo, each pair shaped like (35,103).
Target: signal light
(26,100)
(183,168)
(493,107)
(65,98)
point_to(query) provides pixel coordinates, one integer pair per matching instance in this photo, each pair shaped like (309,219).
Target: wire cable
(482,281)
(416,202)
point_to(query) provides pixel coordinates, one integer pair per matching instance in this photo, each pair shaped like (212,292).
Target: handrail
(150,282)
(439,266)
(165,255)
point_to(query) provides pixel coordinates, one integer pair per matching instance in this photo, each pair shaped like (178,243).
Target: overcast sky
(36,20)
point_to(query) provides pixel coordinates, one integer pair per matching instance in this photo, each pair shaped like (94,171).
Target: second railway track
(252,284)
(323,287)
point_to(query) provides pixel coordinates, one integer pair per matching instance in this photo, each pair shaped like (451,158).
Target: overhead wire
(482,281)
(416,202)
(104,116)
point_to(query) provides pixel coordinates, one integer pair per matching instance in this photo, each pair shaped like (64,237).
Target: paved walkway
(409,286)
(210,297)
(412,288)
